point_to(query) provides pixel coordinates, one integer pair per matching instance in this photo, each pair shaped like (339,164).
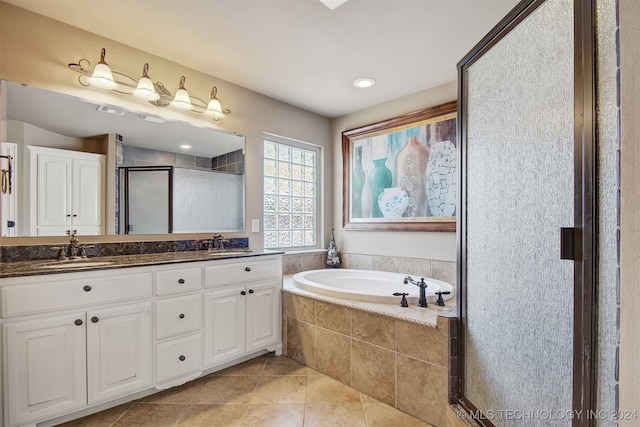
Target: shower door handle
(569,243)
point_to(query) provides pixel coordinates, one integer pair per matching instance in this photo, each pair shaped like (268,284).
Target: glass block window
(291,193)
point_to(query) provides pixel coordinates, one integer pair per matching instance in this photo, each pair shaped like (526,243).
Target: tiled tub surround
(397,355)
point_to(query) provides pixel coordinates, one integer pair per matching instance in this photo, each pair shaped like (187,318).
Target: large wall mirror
(73,166)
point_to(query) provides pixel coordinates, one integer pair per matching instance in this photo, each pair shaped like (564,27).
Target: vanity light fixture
(153,92)
(182,99)
(102,76)
(214,109)
(145,89)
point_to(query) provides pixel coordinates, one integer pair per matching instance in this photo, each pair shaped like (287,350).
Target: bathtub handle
(403,301)
(440,300)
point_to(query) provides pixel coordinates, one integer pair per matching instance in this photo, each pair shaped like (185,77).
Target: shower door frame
(581,244)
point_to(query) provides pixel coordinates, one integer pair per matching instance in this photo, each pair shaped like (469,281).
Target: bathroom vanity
(125,327)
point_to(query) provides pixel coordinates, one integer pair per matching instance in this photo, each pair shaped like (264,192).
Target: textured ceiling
(297,51)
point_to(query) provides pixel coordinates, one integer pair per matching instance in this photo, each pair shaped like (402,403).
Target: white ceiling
(297,51)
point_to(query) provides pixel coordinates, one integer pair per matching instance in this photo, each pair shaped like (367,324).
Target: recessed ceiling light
(185,146)
(364,82)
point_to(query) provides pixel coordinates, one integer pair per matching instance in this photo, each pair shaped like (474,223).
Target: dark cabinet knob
(182,358)
(86,288)
(181,281)
(181,316)
(243,293)
(247,269)
(95,319)
(78,322)
(250,291)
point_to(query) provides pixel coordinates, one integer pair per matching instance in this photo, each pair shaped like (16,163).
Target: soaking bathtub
(367,285)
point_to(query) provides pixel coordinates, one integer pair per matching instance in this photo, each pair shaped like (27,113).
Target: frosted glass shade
(145,90)
(182,100)
(102,77)
(214,109)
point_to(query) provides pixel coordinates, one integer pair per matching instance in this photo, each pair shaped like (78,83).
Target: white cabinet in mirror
(204,167)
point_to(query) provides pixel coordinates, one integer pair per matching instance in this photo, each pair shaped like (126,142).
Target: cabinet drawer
(73,292)
(242,272)
(182,280)
(179,357)
(180,315)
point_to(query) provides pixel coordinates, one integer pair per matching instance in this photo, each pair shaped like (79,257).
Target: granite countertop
(51,266)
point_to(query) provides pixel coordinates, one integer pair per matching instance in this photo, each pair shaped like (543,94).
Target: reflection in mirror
(86,148)
(146,197)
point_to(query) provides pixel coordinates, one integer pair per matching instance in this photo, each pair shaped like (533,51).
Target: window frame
(319,184)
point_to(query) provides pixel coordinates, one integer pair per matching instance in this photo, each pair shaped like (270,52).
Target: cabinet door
(118,351)
(53,201)
(263,315)
(225,336)
(46,367)
(87,193)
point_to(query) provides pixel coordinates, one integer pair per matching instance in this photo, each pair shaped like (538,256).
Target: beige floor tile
(342,414)
(228,415)
(268,392)
(378,414)
(186,393)
(322,389)
(151,415)
(227,389)
(100,419)
(286,366)
(274,415)
(248,368)
(280,389)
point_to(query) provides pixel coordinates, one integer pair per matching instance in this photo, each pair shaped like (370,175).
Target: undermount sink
(227,252)
(75,264)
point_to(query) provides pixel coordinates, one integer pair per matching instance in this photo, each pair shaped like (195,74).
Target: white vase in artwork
(392,202)
(441,179)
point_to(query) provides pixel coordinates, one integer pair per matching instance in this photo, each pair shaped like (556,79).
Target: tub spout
(422,301)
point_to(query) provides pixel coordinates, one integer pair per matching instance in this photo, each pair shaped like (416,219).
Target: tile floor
(264,392)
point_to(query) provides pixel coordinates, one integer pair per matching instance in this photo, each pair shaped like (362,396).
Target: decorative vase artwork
(393,202)
(379,178)
(411,168)
(405,174)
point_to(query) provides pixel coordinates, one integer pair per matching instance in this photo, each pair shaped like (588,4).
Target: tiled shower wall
(435,269)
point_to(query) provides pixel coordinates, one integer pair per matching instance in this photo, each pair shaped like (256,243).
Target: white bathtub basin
(367,285)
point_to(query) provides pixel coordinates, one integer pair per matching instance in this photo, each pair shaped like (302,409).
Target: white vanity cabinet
(45,367)
(68,343)
(66,192)
(178,325)
(242,308)
(71,341)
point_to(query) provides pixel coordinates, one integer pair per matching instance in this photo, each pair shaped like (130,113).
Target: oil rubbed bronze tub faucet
(422,301)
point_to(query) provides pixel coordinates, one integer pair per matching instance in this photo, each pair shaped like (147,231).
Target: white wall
(429,245)
(35,50)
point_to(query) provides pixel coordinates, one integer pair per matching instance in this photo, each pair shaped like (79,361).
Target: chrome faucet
(422,301)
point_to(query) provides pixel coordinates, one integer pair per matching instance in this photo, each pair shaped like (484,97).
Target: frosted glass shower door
(519,154)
